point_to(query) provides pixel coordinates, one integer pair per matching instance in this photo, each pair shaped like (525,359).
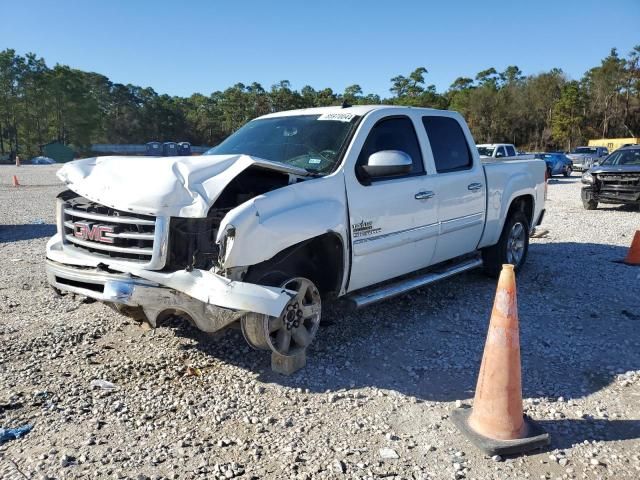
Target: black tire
(549,174)
(497,255)
(568,172)
(589,204)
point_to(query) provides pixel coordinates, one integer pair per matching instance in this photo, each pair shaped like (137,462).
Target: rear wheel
(589,204)
(512,247)
(568,171)
(294,330)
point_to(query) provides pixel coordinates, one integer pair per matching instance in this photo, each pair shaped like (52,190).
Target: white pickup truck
(295,208)
(496,150)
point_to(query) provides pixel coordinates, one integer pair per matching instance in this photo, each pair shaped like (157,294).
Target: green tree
(39,104)
(352,94)
(567,115)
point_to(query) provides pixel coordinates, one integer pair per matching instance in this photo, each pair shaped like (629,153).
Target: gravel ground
(374,399)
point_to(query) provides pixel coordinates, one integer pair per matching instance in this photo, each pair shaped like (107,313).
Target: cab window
(449,145)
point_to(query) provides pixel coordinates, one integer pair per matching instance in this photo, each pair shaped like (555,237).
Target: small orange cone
(496,423)
(633,255)
(16,183)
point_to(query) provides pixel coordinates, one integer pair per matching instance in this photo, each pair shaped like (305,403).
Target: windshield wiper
(313,173)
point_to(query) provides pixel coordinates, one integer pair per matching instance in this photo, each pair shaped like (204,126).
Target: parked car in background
(615,180)
(496,150)
(557,163)
(42,161)
(583,158)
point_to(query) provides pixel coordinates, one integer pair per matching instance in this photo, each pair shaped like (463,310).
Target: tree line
(40,104)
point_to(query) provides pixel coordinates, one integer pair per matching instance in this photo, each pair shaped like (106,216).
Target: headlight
(226,244)
(588,178)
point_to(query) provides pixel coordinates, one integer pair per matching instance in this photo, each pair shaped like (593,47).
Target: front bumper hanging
(210,300)
(125,289)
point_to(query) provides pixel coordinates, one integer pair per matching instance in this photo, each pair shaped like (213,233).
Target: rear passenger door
(461,187)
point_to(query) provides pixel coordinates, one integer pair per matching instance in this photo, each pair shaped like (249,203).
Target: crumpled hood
(168,186)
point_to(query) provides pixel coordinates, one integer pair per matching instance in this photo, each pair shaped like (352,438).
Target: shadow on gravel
(565,433)
(561,180)
(579,318)
(16,233)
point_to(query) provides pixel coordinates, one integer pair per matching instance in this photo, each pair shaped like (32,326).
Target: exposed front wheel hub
(295,328)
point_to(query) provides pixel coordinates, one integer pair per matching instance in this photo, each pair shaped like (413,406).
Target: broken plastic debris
(193,372)
(388,454)
(7,434)
(102,384)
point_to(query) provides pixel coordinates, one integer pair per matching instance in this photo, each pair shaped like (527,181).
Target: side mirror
(387,163)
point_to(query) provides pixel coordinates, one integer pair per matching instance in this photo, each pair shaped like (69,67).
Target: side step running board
(377,294)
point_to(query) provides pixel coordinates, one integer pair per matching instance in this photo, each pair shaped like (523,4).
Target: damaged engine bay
(192,241)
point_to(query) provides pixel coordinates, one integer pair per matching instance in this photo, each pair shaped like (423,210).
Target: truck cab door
(393,219)
(461,186)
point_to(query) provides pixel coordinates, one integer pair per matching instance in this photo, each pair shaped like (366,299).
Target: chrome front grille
(113,234)
(620,179)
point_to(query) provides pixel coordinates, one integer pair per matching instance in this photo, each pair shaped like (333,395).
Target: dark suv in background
(615,180)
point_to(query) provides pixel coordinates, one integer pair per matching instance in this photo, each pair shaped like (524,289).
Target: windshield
(312,142)
(585,150)
(625,157)
(486,151)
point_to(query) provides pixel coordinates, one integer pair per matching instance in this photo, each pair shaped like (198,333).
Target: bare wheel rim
(295,328)
(516,243)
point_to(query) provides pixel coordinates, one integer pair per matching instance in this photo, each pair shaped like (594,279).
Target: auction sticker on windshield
(340,117)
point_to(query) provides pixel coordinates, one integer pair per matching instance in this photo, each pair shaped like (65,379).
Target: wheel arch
(321,259)
(523,203)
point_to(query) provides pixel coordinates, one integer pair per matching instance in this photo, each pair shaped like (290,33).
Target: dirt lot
(384,377)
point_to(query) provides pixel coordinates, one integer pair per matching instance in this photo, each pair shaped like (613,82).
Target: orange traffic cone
(16,183)
(496,423)
(633,255)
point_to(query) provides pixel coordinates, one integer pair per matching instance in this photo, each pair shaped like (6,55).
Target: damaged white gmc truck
(293,209)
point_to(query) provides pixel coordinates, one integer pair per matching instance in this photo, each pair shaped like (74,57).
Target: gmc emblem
(95,233)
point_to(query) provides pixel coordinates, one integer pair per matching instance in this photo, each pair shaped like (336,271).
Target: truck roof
(493,145)
(355,110)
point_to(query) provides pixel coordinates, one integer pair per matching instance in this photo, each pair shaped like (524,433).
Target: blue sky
(201,46)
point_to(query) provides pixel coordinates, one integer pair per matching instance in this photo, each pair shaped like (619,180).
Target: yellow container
(612,143)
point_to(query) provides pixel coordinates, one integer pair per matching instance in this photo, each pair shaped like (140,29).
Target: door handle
(424,195)
(474,187)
